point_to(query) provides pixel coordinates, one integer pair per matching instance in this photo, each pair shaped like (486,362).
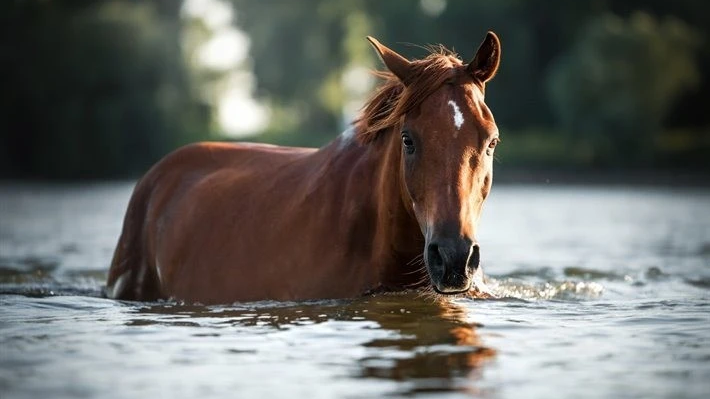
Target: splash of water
(560,290)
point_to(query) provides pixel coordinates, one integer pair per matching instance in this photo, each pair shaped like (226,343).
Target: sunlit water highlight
(604,292)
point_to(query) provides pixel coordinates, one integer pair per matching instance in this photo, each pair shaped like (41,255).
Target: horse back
(191,181)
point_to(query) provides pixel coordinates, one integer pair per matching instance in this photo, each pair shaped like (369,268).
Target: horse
(391,204)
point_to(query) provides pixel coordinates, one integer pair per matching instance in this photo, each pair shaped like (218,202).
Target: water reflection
(446,350)
(427,345)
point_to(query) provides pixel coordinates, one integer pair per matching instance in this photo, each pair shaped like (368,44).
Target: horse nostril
(475,258)
(435,258)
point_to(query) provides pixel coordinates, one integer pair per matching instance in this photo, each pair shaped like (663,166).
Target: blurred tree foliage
(92,88)
(605,82)
(618,82)
(298,57)
(99,88)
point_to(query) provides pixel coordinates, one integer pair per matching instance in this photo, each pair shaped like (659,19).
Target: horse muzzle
(451,264)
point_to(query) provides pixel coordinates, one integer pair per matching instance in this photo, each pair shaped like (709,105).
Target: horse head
(439,121)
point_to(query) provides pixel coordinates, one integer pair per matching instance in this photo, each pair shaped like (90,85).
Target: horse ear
(398,65)
(487,59)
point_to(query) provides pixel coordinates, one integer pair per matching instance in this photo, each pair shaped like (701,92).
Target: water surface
(605,292)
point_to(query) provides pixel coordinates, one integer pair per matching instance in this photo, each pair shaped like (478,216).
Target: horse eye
(408,143)
(493,143)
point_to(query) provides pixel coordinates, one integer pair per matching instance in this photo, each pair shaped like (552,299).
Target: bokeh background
(95,89)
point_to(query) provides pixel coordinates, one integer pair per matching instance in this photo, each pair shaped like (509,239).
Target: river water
(604,293)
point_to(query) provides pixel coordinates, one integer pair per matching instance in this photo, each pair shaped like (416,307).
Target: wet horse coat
(390,204)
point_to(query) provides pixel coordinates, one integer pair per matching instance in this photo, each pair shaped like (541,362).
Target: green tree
(93,88)
(620,80)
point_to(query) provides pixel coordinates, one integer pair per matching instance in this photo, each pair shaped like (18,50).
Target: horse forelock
(392,99)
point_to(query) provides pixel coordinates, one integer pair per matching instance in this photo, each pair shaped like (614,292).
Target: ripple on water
(701,282)
(17,269)
(41,277)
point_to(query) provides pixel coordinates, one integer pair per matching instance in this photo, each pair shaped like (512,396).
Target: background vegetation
(103,88)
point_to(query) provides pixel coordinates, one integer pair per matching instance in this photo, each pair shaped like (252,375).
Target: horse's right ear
(397,64)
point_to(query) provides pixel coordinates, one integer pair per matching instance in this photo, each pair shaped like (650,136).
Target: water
(605,292)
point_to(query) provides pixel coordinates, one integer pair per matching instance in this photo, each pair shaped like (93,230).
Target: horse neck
(397,239)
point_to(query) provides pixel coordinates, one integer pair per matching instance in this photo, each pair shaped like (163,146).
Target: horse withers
(392,203)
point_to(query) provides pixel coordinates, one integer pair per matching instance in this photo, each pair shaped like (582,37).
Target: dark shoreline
(643,178)
(532,176)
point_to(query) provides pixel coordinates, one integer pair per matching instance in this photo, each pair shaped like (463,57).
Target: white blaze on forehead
(458,116)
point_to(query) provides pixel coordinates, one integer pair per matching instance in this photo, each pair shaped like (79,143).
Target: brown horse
(219,223)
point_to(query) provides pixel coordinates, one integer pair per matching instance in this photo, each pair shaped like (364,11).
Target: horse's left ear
(398,65)
(485,64)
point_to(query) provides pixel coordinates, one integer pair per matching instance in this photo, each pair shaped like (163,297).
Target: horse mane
(392,99)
